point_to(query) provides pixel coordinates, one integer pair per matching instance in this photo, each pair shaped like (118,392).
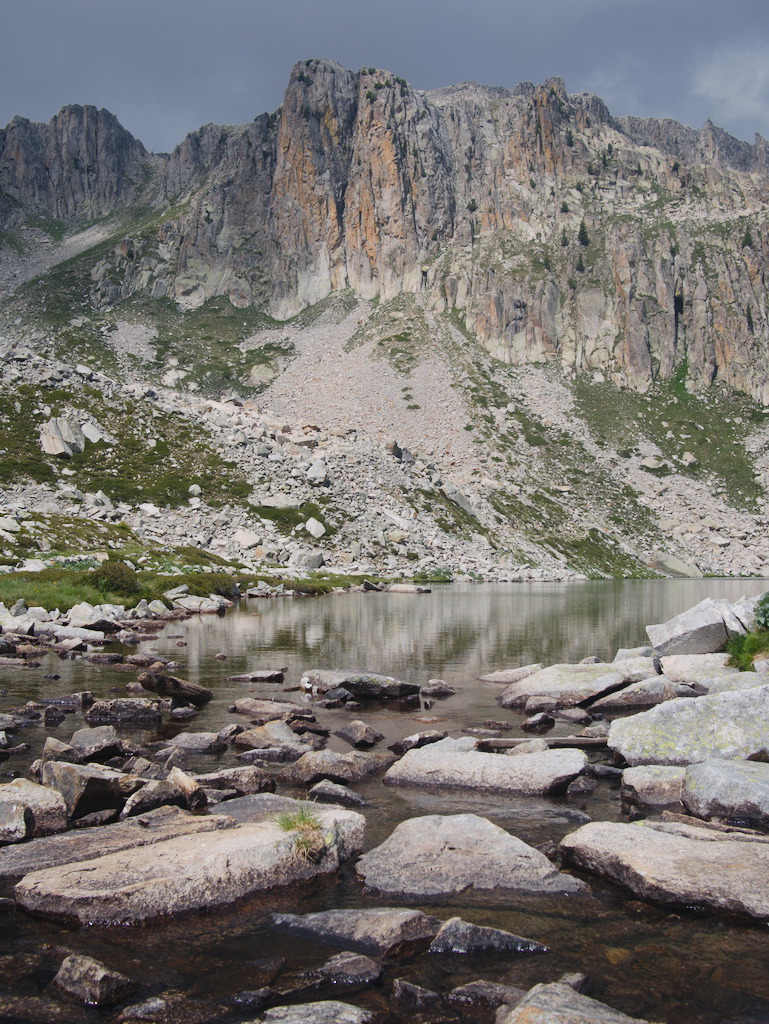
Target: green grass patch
(713,426)
(743,650)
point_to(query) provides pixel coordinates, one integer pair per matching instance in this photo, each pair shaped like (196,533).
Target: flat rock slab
(507,676)
(733,791)
(699,630)
(382,931)
(89,843)
(566,684)
(443,855)
(458,936)
(732,725)
(560,1004)
(441,764)
(187,873)
(362,685)
(266,807)
(677,864)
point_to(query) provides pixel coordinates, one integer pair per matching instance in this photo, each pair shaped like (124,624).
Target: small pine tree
(564,238)
(747,239)
(582,236)
(569,137)
(564,207)
(750,320)
(580,264)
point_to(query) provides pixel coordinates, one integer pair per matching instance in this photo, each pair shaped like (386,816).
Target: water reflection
(685,968)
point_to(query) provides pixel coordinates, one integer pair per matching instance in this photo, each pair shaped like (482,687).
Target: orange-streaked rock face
(473,196)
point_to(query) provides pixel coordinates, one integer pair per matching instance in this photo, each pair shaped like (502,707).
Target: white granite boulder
(733,725)
(677,864)
(437,856)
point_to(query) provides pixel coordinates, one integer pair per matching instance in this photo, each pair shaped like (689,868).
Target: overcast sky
(164,67)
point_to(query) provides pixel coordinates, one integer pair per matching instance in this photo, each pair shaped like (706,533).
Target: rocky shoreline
(107,831)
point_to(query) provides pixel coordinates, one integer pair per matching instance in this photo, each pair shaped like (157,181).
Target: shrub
(762,612)
(114,578)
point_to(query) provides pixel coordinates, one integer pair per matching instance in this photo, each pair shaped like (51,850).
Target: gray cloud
(166,66)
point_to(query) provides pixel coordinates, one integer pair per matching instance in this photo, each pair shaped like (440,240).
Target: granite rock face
(359,181)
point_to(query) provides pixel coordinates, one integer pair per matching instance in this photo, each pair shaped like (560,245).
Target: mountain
(560,278)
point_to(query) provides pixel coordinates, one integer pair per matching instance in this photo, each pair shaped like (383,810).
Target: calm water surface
(677,967)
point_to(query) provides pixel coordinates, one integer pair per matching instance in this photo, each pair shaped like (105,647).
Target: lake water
(644,960)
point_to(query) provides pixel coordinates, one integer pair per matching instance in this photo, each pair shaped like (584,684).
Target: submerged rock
(92,983)
(458,936)
(443,855)
(383,930)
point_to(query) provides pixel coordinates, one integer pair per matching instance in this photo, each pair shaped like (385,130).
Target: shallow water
(678,967)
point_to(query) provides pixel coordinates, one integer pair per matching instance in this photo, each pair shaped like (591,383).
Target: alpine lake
(681,967)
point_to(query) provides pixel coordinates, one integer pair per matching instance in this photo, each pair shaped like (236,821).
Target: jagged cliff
(558,233)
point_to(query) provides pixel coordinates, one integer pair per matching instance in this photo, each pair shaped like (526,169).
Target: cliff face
(82,165)
(557,232)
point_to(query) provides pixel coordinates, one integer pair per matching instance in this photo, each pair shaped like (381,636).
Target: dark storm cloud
(167,66)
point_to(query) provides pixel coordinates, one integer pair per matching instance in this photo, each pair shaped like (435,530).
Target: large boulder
(565,685)
(449,763)
(87,787)
(27,809)
(246,780)
(88,843)
(677,864)
(382,930)
(558,1003)
(700,630)
(190,872)
(124,710)
(733,791)
(352,767)
(362,685)
(733,725)
(443,855)
(275,736)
